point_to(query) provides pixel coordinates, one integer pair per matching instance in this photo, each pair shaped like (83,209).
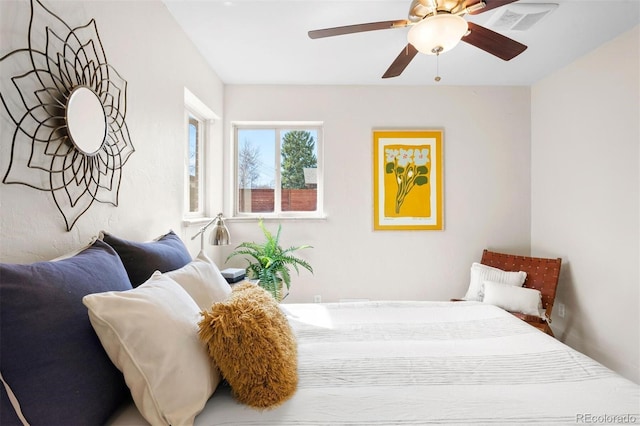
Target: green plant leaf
(421,180)
(388,168)
(269,263)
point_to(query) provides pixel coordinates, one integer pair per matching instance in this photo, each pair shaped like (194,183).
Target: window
(278,169)
(195,158)
(198,120)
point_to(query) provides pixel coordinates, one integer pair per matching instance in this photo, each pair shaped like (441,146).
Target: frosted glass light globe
(437,34)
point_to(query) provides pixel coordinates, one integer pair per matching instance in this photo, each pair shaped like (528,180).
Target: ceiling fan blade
(401,62)
(358,28)
(490,4)
(492,42)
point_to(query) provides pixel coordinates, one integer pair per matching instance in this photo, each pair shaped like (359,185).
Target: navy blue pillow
(8,416)
(141,260)
(50,355)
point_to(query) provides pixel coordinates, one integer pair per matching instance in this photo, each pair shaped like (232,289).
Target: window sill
(201,221)
(271,218)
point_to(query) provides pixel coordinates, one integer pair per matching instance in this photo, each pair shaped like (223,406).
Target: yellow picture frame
(407,180)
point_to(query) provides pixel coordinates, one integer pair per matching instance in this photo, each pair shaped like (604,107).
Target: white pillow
(513,299)
(202,279)
(480,273)
(151,334)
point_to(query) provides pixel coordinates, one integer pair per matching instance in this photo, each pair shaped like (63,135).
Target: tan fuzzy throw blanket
(251,342)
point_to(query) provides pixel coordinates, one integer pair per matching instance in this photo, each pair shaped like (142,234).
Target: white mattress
(419,363)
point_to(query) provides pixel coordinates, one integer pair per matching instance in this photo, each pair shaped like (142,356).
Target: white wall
(585,198)
(554,172)
(486,186)
(145,45)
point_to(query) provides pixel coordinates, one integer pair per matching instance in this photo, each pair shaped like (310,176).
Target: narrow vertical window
(198,122)
(194,165)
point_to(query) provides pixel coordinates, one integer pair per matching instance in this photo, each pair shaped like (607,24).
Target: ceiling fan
(438,26)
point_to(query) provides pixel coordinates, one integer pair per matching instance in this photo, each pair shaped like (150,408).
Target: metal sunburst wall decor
(68,106)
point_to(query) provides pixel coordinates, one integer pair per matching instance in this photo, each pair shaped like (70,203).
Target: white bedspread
(420,363)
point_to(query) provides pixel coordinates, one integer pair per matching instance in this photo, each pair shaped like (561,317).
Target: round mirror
(86,120)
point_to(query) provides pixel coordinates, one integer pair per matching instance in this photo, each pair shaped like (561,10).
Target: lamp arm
(201,232)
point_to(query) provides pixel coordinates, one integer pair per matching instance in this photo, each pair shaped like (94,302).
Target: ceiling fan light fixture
(437,34)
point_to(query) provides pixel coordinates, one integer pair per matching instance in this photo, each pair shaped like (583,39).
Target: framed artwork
(407,179)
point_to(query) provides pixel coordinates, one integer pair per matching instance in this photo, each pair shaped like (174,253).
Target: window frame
(195,108)
(278,126)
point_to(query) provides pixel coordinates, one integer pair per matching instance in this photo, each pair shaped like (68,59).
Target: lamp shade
(219,234)
(438,33)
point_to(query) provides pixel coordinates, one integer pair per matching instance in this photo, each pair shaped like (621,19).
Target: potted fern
(269,263)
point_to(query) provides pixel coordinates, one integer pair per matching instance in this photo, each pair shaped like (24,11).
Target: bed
(85,335)
(418,363)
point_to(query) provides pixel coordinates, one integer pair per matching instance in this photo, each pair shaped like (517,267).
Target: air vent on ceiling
(520,16)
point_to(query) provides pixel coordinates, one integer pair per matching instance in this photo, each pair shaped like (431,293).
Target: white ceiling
(266,42)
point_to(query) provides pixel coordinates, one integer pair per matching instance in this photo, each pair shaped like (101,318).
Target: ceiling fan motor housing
(419,9)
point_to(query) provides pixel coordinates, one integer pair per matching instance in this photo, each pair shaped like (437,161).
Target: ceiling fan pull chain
(437,51)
